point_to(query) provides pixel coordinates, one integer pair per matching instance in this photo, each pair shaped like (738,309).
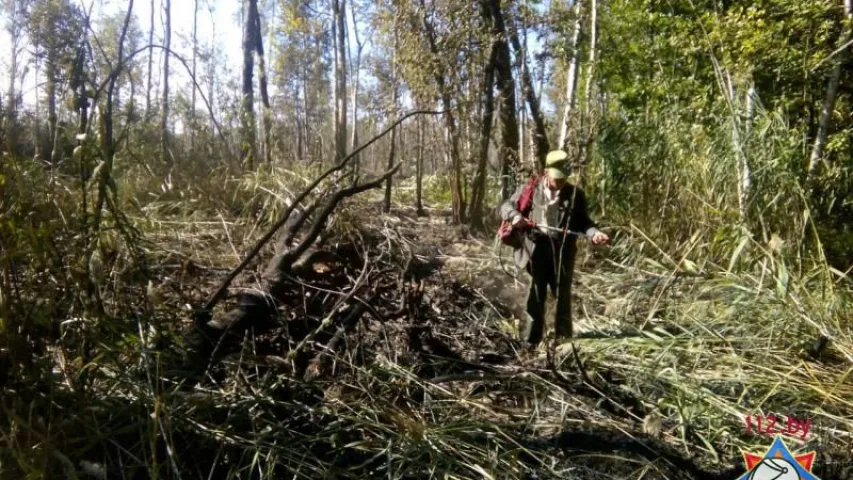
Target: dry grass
(678,348)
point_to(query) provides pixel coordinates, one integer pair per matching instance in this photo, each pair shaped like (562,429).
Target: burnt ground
(435,306)
(392,352)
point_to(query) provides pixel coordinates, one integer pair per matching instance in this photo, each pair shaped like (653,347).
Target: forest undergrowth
(393,350)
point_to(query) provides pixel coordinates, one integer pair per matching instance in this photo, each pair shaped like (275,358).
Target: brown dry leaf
(321,267)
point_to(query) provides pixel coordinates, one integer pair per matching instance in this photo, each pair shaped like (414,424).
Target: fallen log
(203,314)
(257,310)
(210,338)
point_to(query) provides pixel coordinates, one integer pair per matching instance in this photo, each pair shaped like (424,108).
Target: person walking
(552,216)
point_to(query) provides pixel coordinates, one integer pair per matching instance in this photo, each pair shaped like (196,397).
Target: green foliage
(56,27)
(676,95)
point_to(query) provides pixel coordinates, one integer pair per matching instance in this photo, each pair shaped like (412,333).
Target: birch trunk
(590,86)
(12,99)
(590,71)
(150,64)
(211,86)
(572,78)
(194,65)
(164,119)
(355,85)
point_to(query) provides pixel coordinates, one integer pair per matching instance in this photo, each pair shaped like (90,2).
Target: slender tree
(478,190)
(194,68)
(571,77)
(262,79)
(165,155)
(341,112)
(107,140)
(831,94)
(506,91)
(247,114)
(149,85)
(13,28)
(540,134)
(356,80)
(55,27)
(451,134)
(395,94)
(419,170)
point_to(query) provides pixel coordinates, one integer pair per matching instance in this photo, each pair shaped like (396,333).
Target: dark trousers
(551,265)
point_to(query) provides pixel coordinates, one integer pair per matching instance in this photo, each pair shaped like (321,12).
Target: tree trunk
(11,99)
(419,170)
(506,90)
(392,149)
(107,140)
(829,102)
(540,134)
(195,62)
(386,207)
(572,78)
(262,74)
(164,119)
(745,173)
(452,138)
(355,85)
(150,64)
(339,11)
(478,192)
(593,37)
(522,111)
(37,114)
(590,74)
(306,117)
(394,99)
(211,86)
(247,114)
(50,86)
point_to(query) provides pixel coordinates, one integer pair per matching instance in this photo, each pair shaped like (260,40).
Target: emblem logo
(778,464)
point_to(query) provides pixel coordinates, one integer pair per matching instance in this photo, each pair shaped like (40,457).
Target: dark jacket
(572,212)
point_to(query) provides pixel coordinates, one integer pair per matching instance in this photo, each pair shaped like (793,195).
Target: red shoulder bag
(509,235)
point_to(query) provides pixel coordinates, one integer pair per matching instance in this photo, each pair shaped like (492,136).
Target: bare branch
(223,288)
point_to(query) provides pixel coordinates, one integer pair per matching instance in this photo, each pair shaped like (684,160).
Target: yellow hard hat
(555,164)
